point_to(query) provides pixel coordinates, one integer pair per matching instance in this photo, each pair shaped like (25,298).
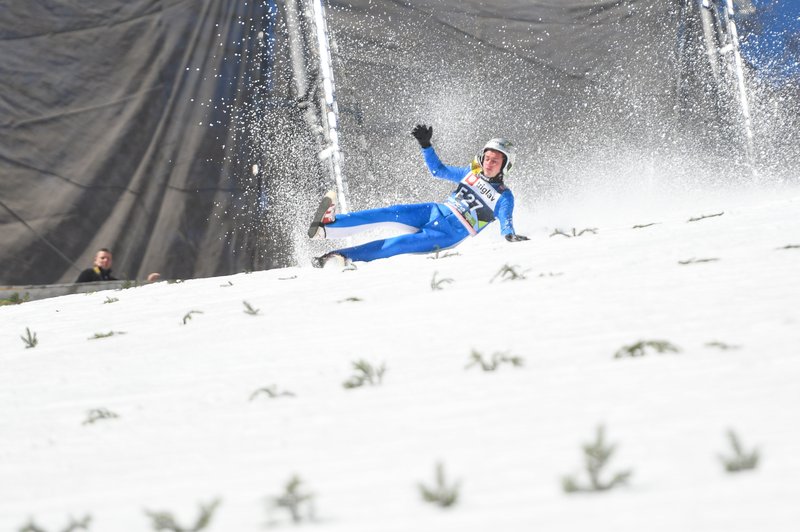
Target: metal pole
(711,38)
(740,81)
(330,108)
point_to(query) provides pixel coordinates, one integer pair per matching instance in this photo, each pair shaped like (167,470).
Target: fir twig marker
(441,493)
(248,309)
(30,339)
(476,358)
(166,521)
(704,216)
(294,500)
(189,315)
(366,373)
(96,414)
(74,524)
(596,457)
(509,273)
(437,284)
(642,346)
(271,392)
(741,460)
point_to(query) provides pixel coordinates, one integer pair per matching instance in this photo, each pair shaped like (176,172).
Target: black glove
(423,135)
(516,238)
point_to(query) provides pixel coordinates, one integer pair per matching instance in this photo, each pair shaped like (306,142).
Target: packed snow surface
(193,399)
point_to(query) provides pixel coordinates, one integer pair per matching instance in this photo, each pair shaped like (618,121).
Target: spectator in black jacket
(101,271)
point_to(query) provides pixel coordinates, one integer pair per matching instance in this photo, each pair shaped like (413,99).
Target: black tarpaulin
(184,134)
(117,129)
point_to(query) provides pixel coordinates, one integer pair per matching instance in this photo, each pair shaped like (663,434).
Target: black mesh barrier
(184,134)
(129,125)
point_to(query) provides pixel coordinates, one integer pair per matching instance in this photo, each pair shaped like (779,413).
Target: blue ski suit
(428,227)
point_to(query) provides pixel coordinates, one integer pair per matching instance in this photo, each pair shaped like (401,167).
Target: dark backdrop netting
(183,134)
(118,128)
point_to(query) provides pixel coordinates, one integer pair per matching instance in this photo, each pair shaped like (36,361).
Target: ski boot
(325,214)
(333,260)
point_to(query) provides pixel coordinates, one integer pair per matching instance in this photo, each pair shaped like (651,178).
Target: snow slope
(192,426)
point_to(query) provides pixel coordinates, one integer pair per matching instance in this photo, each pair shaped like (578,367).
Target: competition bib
(473,201)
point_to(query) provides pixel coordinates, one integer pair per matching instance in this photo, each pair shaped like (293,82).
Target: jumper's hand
(516,238)
(423,135)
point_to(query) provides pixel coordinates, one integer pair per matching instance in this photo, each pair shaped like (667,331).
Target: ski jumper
(474,204)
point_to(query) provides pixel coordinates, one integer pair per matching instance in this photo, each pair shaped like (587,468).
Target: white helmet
(504,146)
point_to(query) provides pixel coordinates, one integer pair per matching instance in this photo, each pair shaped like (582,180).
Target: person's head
(102,259)
(497,157)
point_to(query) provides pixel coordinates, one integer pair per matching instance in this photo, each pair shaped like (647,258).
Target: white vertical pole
(739,72)
(330,107)
(710,36)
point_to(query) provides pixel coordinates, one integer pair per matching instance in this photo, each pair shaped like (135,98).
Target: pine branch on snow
(741,460)
(596,457)
(351,299)
(696,261)
(97,336)
(272,392)
(366,373)
(438,284)
(248,309)
(640,348)
(509,273)
(73,525)
(575,232)
(722,345)
(437,256)
(495,362)
(703,217)
(97,414)
(31,527)
(293,500)
(189,314)
(30,339)
(441,494)
(166,521)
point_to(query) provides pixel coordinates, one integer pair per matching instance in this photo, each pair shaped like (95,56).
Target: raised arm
(437,168)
